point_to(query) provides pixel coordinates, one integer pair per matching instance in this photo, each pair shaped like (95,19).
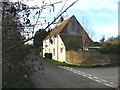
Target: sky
(98,17)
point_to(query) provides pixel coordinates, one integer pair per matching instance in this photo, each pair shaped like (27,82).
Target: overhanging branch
(44,29)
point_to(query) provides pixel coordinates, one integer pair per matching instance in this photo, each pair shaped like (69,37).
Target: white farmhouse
(67,35)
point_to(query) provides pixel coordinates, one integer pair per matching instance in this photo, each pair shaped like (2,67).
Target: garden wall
(90,57)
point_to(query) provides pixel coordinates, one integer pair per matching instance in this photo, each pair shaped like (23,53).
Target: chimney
(61,19)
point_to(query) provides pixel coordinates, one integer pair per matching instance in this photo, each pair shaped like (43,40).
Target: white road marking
(89,75)
(79,73)
(103,80)
(97,79)
(84,75)
(109,85)
(90,78)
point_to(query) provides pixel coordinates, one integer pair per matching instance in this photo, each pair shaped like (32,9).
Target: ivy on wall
(72,43)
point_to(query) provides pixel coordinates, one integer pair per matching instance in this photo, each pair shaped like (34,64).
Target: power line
(62,7)
(44,28)
(60,14)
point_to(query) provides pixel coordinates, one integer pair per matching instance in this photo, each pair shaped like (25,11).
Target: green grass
(56,62)
(82,65)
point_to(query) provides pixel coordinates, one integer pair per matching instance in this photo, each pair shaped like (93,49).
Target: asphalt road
(110,73)
(106,76)
(57,77)
(0,71)
(0,75)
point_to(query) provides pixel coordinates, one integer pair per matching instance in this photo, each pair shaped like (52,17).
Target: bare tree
(102,39)
(87,27)
(22,11)
(87,33)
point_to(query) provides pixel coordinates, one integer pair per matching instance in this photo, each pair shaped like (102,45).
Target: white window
(54,52)
(61,50)
(54,41)
(46,45)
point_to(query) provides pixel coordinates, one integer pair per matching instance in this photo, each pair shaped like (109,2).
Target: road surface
(106,76)
(110,73)
(54,76)
(0,71)
(0,75)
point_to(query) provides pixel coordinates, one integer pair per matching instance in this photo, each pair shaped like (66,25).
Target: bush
(12,69)
(48,55)
(110,48)
(72,43)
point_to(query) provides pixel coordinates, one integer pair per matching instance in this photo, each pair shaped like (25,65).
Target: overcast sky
(101,16)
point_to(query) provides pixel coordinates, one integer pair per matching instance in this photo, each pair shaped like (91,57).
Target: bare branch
(44,28)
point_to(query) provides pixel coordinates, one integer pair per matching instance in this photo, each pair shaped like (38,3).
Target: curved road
(54,76)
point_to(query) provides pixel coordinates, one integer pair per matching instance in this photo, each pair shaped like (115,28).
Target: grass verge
(82,65)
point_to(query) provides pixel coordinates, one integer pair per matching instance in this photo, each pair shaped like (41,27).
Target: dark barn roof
(70,30)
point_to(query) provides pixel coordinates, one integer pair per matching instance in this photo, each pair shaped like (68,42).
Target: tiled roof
(71,34)
(58,28)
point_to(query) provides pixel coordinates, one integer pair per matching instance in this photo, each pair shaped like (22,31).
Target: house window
(54,52)
(54,41)
(46,45)
(61,50)
(51,41)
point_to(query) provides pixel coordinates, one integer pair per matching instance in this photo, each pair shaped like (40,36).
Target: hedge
(110,48)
